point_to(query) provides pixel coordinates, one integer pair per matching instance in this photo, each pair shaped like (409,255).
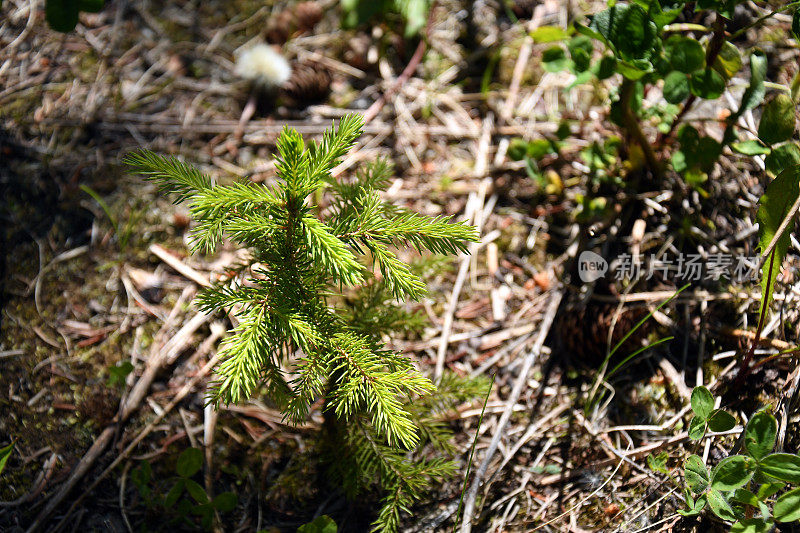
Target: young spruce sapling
(297,339)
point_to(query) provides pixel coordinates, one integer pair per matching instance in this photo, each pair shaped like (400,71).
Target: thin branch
(522,378)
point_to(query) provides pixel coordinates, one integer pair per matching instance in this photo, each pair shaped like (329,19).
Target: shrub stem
(633,127)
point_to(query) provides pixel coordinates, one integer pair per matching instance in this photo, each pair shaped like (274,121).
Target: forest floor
(96,285)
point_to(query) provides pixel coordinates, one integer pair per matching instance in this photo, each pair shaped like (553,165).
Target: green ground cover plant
(753,489)
(645,47)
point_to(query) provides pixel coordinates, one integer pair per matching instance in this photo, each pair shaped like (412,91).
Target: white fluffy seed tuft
(262,64)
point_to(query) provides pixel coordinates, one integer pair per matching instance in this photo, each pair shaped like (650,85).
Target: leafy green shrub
(747,489)
(302,300)
(705,416)
(185,496)
(647,49)
(118,373)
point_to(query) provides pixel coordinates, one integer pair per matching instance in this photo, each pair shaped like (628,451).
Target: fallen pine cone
(308,84)
(583,333)
(279,27)
(300,18)
(307,15)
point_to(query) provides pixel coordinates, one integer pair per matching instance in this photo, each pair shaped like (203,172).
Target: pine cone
(583,333)
(523,9)
(309,83)
(280,27)
(300,18)
(307,15)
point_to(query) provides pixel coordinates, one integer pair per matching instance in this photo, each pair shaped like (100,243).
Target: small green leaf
(581,61)
(517,149)
(206,513)
(778,120)
(416,15)
(589,32)
(658,463)
(694,507)
(627,28)
(751,147)
(783,466)
(174,493)
(660,16)
(707,152)
(732,472)
(782,157)
(189,462)
(721,421)
(752,525)
(755,91)
(634,70)
(678,160)
(769,489)
(684,54)
(538,148)
(700,503)
(729,60)
(745,496)
(554,59)
(787,507)
(759,435)
(142,474)
(636,33)
(689,137)
(5,453)
(702,400)
(196,491)
(548,34)
(697,428)
(694,177)
(720,506)
(773,207)
(606,67)
(707,84)
(696,474)
(321,524)
(676,87)
(225,502)
(118,373)
(581,77)
(563,131)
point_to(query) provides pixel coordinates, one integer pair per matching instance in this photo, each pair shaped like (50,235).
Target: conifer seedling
(315,302)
